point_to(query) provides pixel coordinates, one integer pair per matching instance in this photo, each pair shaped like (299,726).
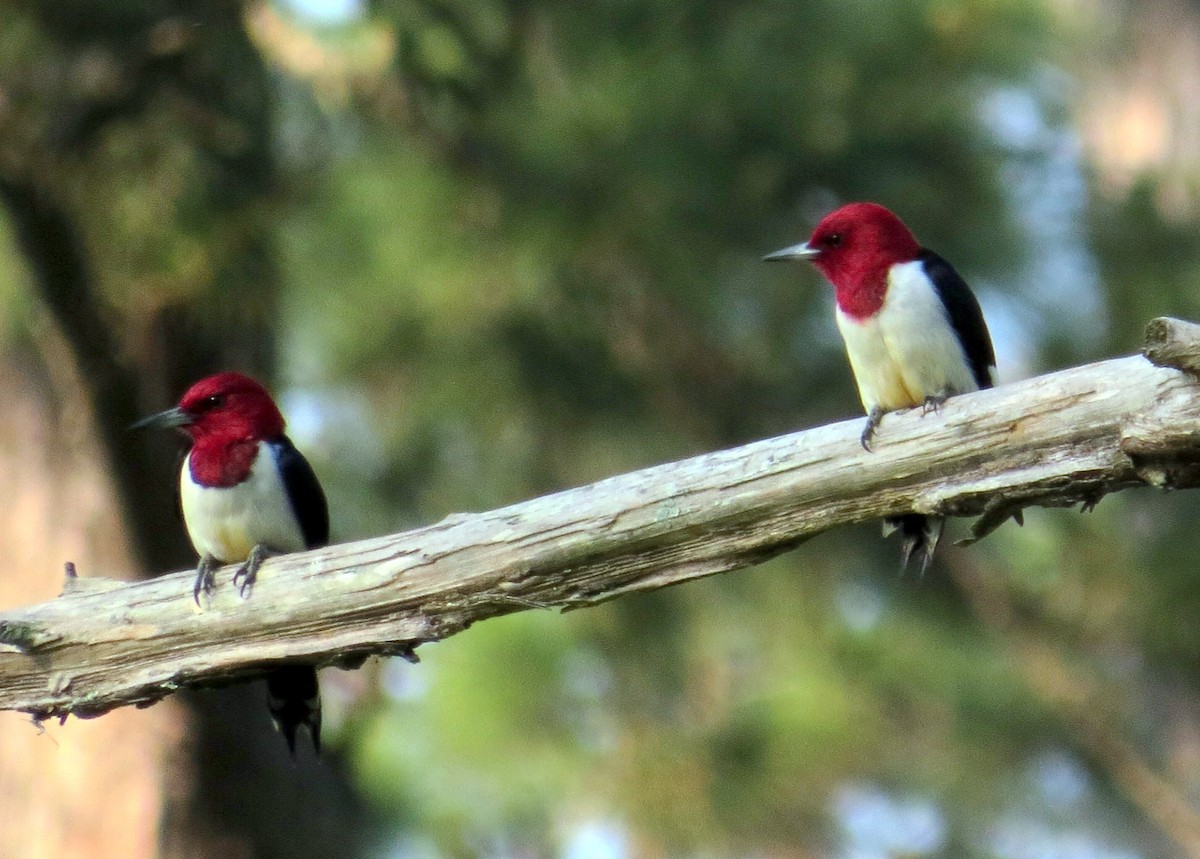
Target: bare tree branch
(1056,440)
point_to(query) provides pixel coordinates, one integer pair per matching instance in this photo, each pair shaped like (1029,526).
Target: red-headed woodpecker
(247,493)
(913,330)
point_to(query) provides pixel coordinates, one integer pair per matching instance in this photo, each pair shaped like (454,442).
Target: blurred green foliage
(516,247)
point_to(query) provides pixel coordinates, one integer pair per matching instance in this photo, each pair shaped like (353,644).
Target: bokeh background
(487,249)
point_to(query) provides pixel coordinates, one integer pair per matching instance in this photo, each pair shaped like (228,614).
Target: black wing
(966,318)
(304,492)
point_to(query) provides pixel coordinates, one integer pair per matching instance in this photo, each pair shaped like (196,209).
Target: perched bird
(247,493)
(913,329)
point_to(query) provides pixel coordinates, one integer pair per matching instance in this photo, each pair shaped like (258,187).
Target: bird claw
(933,404)
(247,573)
(873,419)
(205,577)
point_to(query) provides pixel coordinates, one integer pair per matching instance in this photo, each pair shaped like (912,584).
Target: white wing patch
(908,350)
(227,522)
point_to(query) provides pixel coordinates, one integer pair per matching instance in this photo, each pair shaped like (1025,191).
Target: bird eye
(833,240)
(212,402)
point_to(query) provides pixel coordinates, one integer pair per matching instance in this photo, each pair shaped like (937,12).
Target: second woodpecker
(914,332)
(247,493)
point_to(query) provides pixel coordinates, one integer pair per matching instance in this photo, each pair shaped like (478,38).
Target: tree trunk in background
(91,788)
(200,774)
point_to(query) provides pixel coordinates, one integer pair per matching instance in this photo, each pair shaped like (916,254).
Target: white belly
(227,522)
(908,350)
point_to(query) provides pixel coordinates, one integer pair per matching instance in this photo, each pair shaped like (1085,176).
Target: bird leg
(933,404)
(204,576)
(873,419)
(248,571)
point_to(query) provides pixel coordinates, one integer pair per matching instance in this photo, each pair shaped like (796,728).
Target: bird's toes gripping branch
(873,419)
(933,404)
(204,576)
(247,573)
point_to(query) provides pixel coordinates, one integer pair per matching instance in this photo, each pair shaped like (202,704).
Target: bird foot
(247,573)
(933,404)
(873,419)
(204,577)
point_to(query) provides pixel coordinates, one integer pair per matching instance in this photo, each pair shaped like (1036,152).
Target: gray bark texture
(1056,440)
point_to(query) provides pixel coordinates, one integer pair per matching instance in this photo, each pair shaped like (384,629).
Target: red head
(224,408)
(230,406)
(226,415)
(854,247)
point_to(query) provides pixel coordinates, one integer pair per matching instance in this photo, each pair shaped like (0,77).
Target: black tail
(919,535)
(294,699)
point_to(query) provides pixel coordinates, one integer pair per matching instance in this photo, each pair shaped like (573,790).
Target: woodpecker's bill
(247,493)
(913,330)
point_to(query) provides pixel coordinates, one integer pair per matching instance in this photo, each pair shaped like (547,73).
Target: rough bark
(58,501)
(1056,440)
(172,103)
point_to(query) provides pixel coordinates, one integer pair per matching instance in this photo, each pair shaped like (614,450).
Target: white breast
(227,522)
(908,350)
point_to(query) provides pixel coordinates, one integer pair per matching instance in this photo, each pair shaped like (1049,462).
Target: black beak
(175,417)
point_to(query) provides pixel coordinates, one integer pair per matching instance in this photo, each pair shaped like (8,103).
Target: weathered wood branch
(1056,440)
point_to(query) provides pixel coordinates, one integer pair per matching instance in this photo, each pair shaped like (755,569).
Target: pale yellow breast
(908,350)
(232,541)
(894,390)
